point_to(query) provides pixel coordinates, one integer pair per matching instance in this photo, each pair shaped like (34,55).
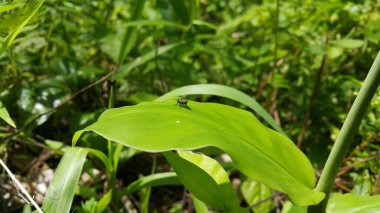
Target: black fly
(183,103)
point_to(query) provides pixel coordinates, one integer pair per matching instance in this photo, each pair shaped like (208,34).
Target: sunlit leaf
(256,150)
(223,91)
(354,204)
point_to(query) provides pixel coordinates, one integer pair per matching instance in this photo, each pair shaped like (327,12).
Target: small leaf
(193,169)
(159,179)
(199,206)
(349,43)
(288,207)
(254,192)
(5,115)
(103,203)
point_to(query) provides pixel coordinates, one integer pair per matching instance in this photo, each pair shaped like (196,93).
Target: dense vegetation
(63,63)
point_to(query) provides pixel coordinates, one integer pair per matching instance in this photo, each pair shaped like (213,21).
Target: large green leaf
(60,194)
(223,91)
(216,189)
(353,204)
(259,152)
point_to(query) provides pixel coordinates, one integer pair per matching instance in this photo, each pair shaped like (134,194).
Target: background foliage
(301,60)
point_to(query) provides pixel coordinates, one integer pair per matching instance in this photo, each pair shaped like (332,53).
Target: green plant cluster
(289,71)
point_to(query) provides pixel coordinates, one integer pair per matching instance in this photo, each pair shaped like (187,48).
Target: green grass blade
(159,179)
(226,92)
(257,151)
(60,194)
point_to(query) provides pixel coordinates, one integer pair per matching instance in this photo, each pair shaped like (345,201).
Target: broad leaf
(60,194)
(257,151)
(353,204)
(223,91)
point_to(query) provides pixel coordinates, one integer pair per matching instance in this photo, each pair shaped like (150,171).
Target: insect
(183,103)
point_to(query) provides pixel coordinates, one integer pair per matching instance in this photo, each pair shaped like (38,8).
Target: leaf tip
(76,136)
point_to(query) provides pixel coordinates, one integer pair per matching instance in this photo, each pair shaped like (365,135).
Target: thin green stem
(112,175)
(348,131)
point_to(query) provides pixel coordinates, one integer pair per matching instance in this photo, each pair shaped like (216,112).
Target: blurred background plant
(301,60)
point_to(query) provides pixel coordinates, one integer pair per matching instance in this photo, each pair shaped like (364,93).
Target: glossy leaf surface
(257,151)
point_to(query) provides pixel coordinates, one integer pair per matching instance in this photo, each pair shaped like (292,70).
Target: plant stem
(112,175)
(348,131)
(18,186)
